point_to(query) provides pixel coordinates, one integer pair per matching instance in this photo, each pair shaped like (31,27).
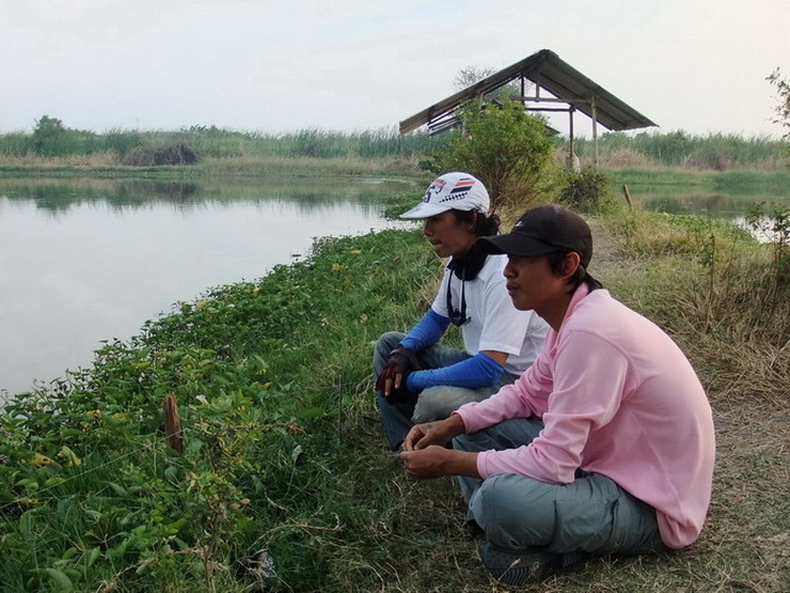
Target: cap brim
(514,244)
(425,210)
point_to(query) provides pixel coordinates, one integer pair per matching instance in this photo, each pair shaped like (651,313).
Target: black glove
(400,362)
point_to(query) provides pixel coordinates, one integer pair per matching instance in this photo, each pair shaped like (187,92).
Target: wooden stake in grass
(173,434)
(627,195)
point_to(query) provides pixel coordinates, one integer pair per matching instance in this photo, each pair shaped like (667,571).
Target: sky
(278,66)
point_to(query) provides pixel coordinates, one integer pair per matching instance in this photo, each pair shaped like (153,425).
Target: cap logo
(434,189)
(458,192)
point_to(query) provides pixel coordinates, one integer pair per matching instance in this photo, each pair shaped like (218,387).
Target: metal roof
(547,71)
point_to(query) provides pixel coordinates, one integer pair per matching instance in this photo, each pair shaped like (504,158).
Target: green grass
(212,142)
(266,374)
(715,152)
(674,181)
(284,451)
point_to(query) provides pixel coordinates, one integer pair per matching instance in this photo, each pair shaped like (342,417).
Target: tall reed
(719,152)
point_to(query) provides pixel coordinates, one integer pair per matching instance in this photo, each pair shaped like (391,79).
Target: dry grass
(85,162)
(238,166)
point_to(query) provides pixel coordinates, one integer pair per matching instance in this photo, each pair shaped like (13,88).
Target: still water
(83,261)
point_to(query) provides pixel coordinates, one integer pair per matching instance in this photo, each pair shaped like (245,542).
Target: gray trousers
(592,514)
(434,403)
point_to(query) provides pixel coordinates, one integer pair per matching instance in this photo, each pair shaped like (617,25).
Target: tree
(47,135)
(52,138)
(500,143)
(471,75)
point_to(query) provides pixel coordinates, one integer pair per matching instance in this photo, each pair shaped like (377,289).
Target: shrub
(585,190)
(503,145)
(773,224)
(122,142)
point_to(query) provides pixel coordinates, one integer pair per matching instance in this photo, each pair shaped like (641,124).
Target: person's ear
(469,223)
(571,263)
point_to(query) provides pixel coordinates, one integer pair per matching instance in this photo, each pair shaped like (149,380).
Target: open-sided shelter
(568,90)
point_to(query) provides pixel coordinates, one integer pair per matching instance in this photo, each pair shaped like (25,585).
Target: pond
(83,261)
(87,260)
(727,196)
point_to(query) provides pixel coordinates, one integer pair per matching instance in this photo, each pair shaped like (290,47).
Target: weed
(773,224)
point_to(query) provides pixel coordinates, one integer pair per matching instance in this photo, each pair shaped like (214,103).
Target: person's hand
(435,461)
(391,382)
(433,433)
(421,436)
(426,463)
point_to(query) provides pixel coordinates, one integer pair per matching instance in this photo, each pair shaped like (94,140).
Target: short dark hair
(556,260)
(482,225)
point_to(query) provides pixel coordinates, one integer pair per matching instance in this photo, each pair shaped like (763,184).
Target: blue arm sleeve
(426,332)
(478,371)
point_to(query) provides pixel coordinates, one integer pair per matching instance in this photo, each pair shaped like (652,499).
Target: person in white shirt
(419,379)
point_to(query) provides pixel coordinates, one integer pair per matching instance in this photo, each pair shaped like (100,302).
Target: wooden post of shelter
(570,131)
(594,131)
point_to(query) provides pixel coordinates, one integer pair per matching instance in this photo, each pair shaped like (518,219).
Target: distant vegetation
(716,152)
(51,138)
(53,143)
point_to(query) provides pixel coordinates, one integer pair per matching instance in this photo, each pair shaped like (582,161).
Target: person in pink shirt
(604,446)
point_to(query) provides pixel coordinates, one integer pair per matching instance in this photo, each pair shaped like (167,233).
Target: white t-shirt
(494,323)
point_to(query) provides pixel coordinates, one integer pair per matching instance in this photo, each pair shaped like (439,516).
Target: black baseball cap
(542,230)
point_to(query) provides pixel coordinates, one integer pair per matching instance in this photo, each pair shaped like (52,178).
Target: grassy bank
(283,450)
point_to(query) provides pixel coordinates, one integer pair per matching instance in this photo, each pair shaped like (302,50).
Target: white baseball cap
(452,191)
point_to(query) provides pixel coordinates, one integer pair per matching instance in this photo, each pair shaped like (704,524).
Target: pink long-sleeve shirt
(617,397)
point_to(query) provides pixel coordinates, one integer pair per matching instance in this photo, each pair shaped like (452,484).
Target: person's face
(532,284)
(447,235)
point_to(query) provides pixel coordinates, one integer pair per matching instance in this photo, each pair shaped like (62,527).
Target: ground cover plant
(283,452)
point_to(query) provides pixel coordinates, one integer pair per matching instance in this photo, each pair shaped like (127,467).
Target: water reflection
(719,206)
(701,204)
(60,195)
(85,261)
(718,201)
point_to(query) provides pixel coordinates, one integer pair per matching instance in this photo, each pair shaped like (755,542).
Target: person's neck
(554,313)
(468,265)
